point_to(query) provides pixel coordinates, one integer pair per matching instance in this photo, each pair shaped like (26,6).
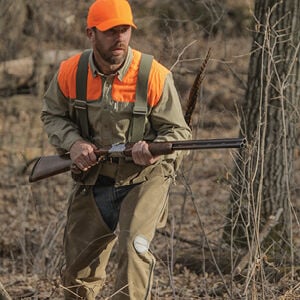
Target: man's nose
(119,34)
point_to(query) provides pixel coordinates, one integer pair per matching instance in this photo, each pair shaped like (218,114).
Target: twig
(181,53)
(3,293)
(117,292)
(171,269)
(178,238)
(224,285)
(272,221)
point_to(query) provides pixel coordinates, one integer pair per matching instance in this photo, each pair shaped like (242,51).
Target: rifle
(47,166)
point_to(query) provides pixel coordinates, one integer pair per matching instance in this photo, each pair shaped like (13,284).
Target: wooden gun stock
(47,166)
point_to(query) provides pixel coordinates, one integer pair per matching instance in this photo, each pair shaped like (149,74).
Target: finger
(136,153)
(87,158)
(146,154)
(145,150)
(143,154)
(79,165)
(92,158)
(82,165)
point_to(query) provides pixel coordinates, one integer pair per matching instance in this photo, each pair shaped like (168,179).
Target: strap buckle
(140,110)
(80,104)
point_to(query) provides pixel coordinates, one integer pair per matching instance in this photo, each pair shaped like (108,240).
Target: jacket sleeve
(62,131)
(167,117)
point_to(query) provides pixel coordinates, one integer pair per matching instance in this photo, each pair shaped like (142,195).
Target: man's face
(111,46)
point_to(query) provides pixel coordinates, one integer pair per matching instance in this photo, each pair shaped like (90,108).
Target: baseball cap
(105,14)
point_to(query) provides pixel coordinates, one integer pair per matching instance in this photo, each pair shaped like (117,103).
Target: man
(130,193)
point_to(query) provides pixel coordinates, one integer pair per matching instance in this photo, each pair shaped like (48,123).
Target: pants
(139,209)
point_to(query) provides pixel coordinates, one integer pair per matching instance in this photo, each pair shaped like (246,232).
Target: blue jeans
(108,199)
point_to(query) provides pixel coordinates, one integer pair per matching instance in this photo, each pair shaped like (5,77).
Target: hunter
(107,95)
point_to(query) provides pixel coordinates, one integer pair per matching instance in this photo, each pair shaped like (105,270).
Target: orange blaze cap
(105,14)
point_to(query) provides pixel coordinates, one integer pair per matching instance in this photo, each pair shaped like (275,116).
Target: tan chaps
(88,241)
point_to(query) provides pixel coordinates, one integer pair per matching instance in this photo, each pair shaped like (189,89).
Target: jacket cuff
(72,138)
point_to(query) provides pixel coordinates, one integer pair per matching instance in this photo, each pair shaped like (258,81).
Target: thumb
(94,147)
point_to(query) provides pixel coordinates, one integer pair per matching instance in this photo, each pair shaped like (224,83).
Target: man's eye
(113,31)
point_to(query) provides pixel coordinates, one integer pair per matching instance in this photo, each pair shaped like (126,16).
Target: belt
(112,160)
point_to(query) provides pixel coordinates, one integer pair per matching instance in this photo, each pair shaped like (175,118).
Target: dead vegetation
(192,262)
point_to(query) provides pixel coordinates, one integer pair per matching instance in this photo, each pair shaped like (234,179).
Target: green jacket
(110,112)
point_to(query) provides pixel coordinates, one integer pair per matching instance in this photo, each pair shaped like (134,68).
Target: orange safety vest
(142,84)
(123,91)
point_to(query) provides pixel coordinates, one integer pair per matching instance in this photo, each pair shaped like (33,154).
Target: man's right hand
(82,154)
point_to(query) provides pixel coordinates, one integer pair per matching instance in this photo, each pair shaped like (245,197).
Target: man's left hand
(141,154)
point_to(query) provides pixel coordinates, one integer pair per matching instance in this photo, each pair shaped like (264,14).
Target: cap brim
(113,23)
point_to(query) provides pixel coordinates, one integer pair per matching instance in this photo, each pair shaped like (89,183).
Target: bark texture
(264,174)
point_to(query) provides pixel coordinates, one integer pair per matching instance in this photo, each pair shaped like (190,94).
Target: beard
(115,55)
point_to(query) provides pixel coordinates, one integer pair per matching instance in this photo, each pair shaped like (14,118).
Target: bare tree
(264,186)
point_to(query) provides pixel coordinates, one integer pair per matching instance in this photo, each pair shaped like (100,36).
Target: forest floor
(192,263)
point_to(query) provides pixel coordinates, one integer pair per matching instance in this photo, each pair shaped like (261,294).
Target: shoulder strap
(140,108)
(80,101)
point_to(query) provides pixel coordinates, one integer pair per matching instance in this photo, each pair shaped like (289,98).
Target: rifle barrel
(209,144)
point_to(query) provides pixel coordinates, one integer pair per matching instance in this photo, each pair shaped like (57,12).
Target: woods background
(193,260)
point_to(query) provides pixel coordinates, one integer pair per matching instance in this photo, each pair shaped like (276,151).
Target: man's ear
(90,33)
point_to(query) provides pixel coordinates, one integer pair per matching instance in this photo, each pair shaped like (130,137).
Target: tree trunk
(264,174)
